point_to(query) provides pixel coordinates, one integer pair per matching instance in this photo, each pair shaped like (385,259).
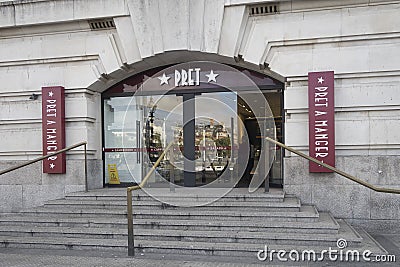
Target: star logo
(212,77)
(52,165)
(164,79)
(320,80)
(51,94)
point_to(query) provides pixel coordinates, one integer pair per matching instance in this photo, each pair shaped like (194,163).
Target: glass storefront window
(140,122)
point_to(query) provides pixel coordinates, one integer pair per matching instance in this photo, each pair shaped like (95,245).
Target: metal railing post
(86,166)
(131,245)
(263,170)
(172,179)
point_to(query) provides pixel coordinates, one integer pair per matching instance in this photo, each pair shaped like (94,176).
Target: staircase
(239,224)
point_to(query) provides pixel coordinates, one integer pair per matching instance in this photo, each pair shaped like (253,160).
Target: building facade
(96,48)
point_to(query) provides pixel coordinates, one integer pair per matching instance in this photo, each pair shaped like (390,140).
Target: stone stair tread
(235,225)
(305,211)
(344,230)
(288,202)
(63,229)
(238,193)
(254,248)
(73,210)
(325,221)
(179,198)
(174,199)
(143,233)
(110,243)
(58,218)
(186,233)
(177,246)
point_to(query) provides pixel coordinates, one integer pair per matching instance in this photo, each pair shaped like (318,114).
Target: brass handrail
(50,155)
(131,245)
(342,173)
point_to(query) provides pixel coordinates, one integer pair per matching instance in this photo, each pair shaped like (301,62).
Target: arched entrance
(210,113)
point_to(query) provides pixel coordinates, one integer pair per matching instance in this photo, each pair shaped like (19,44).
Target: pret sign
(53,128)
(188,77)
(321,119)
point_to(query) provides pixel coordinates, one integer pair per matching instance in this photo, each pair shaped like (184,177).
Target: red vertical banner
(321,105)
(53,128)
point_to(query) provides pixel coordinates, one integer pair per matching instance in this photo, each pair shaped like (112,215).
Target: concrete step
(178,247)
(63,221)
(71,212)
(306,213)
(61,231)
(325,224)
(227,236)
(237,194)
(177,199)
(246,250)
(244,237)
(289,204)
(240,224)
(63,243)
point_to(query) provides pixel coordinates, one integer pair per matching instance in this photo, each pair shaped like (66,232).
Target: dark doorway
(275,174)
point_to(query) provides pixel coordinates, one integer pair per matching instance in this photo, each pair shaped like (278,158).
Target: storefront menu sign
(53,128)
(321,119)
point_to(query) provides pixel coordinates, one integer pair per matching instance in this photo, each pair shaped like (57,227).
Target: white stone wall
(361,44)
(50,42)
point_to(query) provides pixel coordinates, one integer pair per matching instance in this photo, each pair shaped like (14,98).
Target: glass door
(163,124)
(123,152)
(137,129)
(216,138)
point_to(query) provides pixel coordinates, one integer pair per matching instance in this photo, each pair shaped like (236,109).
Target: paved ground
(33,257)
